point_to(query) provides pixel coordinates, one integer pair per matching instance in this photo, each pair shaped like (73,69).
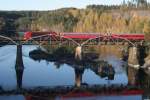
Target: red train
(28,35)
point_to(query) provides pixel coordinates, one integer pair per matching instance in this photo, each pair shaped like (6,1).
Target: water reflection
(138,77)
(101,72)
(78,76)
(45,73)
(19,75)
(12,97)
(7,66)
(21,97)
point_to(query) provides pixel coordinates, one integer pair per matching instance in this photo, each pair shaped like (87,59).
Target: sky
(51,4)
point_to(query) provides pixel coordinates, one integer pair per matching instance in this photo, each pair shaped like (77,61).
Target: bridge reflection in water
(19,66)
(136,77)
(133,75)
(105,70)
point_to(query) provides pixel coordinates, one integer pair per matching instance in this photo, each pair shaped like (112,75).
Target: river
(42,73)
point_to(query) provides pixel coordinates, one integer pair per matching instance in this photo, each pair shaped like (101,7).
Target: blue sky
(50,4)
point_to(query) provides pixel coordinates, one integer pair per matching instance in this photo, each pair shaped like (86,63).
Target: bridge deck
(28,35)
(113,36)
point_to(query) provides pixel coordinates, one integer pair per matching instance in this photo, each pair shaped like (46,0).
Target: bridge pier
(19,66)
(142,54)
(133,57)
(78,53)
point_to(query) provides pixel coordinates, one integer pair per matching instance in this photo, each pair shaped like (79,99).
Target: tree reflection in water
(138,77)
(101,68)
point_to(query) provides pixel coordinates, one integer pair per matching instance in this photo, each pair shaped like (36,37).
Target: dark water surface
(47,74)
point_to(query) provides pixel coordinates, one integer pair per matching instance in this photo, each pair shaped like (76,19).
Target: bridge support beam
(133,57)
(78,53)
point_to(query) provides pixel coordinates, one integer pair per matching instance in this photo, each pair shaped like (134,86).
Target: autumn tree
(2,23)
(23,24)
(146,30)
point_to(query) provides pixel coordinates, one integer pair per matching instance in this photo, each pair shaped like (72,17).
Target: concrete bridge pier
(19,66)
(142,54)
(78,53)
(133,57)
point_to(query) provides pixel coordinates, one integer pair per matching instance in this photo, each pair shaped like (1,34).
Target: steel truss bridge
(73,39)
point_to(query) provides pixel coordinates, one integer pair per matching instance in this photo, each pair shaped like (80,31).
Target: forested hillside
(129,17)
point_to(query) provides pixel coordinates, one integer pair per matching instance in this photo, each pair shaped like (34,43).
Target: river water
(44,73)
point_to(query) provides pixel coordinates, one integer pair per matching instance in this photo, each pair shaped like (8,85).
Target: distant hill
(95,18)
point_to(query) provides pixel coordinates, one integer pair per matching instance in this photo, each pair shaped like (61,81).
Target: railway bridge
(79,41)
